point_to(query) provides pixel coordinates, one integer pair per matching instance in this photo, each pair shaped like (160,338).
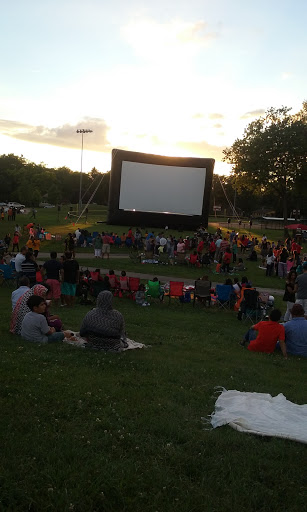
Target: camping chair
(202,291)
(175,289)
(114,284)
(95,275)
(251,306)
(224,294)
(264,299)
(9,275)
(134,283)
(154,290)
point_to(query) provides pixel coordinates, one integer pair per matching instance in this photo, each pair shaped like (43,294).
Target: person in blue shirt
(296,332)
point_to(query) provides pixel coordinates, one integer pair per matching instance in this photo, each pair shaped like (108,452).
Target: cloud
(61,136)
(164,41)
(203,149)
(253,113)
(216,116)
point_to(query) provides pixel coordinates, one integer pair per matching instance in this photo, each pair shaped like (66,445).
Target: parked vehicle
(15,205)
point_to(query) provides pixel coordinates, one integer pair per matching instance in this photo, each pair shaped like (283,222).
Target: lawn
(87,431)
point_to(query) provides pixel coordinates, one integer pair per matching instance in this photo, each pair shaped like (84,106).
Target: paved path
(142,275)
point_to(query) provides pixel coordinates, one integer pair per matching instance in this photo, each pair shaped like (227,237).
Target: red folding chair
(175,289)
(114,283)
(134,283)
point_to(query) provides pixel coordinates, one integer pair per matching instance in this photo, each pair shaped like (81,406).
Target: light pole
(82,131)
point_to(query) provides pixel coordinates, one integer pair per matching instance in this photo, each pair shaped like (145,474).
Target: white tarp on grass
(262,414)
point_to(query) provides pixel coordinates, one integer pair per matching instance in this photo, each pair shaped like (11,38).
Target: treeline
(256,202)
(28,183)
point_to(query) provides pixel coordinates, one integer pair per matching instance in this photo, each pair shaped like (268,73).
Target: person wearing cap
(296,332)
(301,288)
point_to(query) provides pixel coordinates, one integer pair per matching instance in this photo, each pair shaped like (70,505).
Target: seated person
(140,296)
(123,284)
(269,333)
(193,259)
(34,326)
(103,327)
(24,286)
(296,332)
(240,267)
(114,282)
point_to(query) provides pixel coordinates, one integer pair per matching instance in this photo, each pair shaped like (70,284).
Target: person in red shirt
(226,260)
(267,335)
(105,245)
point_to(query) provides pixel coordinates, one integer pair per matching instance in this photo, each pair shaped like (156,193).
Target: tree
(270,158)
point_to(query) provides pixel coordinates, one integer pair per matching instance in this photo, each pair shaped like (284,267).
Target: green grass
(88,431)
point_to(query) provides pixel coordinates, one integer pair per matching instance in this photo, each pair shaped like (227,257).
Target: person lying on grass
(34,326)
(263,336)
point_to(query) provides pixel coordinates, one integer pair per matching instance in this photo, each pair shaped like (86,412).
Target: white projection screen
(158,191)
(162,188)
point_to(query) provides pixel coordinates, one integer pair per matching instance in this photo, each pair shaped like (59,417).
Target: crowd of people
(60,279)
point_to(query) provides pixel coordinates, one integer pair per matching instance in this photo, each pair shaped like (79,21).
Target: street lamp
(82,131)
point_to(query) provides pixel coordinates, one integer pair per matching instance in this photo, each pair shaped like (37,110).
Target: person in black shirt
(70,277)
(52,270)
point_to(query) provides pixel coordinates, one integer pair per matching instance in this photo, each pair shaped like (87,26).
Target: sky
(178,78)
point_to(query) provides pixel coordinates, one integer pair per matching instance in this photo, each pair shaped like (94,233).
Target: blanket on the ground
(81,342)
(262,414)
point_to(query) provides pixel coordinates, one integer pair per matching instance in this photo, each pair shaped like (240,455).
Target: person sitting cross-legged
(34,326)
(263,336)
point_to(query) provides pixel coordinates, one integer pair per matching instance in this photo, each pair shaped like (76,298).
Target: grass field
(87,431)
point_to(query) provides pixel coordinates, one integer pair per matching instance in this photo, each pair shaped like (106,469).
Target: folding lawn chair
(175,289)
(202,291)
(224,293)
(134,283)
(154,290)
(9,275)
(251,307)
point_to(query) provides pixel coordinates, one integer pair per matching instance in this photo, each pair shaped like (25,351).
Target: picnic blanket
(81,342)
(262,414)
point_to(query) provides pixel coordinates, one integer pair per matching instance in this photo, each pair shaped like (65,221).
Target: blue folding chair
(9,276)
(224,294)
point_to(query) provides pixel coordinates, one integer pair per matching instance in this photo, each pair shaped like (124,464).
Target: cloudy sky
(171,77)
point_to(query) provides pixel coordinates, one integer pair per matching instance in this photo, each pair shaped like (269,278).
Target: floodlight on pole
(82,131)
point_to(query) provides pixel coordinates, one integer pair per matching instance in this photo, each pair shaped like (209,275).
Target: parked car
(49,206)
(15,205)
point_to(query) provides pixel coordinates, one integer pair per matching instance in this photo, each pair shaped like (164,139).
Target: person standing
(20,257)
(105,245)
(52,269)
(70,278)
(301,288)
(98,246)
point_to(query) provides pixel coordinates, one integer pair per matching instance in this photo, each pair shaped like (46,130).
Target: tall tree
(270,158)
